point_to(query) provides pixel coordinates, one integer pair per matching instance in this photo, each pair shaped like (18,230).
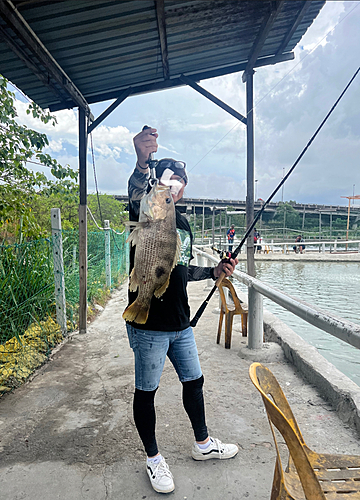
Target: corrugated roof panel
(104,46)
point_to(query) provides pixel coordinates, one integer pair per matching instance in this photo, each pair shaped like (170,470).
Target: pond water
(330,286)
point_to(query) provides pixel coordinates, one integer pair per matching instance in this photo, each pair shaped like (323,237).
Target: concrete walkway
(307,256)
(69,433)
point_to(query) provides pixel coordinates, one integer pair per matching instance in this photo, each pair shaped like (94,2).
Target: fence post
(107,253)
(127,252)
(255,318)
(60,300)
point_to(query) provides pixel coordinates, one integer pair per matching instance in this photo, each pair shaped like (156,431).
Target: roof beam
(21,28)
(305,7)
(212,98)
(160,15)
(21,53)
(275,8)
(176,82)
(109,110)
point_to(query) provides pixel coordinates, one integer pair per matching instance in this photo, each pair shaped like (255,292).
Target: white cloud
(291,100)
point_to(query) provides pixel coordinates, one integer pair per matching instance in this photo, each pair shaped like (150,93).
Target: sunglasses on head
(171,163)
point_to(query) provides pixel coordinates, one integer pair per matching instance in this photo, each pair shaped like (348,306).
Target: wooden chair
(309,475)
(229,310)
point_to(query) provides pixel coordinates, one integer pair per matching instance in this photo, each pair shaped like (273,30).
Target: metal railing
(321,246)
(342,329)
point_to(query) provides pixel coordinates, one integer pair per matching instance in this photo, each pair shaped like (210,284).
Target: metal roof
(61,53)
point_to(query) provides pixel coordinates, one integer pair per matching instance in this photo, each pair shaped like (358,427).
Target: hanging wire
(96,184)
(98,197)
(102,228)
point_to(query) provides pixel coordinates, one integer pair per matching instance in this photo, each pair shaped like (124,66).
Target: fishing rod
(235,253)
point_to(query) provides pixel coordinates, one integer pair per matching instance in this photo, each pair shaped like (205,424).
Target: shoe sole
(212,457)
(161,491)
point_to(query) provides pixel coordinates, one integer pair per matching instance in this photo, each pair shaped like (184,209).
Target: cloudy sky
(291,99)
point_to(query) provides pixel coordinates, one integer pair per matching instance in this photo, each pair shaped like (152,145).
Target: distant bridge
(207,205)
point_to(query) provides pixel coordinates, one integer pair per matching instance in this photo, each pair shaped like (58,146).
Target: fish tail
(136,312)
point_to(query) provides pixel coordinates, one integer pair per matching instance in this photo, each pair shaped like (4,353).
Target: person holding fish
(158,314)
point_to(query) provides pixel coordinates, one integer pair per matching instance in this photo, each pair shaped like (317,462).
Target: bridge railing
(342,329)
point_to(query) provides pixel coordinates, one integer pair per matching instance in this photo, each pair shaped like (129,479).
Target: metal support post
(250,169)
(203,223)
(255,318)
(194,223)
(60,300)
(82,222)
(107,254)
(213,226)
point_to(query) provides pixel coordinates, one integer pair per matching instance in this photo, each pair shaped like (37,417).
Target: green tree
(111,210)
(285,212)
(18,184)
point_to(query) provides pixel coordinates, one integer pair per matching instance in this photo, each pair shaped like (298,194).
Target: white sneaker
(160,476)
(216,449)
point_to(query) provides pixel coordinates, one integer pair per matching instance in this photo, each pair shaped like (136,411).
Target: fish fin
(134,235)
(160,291)
(178,251)
(133,285)
(136,312)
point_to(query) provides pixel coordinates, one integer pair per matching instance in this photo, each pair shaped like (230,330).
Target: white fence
(345,330)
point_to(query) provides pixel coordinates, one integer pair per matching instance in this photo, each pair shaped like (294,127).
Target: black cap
(178,167)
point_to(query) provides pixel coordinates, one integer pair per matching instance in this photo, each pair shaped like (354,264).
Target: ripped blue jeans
(150,350)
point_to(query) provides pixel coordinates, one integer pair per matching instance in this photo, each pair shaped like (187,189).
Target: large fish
(157,251)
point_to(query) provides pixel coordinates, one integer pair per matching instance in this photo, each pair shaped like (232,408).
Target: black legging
(145,419)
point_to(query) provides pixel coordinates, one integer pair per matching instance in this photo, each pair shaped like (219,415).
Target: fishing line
(278,83)
(256,218)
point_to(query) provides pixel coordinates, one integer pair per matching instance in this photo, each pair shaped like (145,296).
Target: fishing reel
(224,255)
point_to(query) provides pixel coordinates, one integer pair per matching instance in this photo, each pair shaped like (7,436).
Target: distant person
(256,237)
(259,243)
(230,236)
(301,247)
(297,240)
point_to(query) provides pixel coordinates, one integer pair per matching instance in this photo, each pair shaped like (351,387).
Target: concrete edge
(332,384)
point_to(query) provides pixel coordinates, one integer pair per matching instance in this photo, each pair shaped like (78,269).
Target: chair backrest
(280,415)
(227,284)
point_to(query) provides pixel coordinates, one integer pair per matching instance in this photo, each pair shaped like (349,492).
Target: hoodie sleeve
(137,187)
(196,273)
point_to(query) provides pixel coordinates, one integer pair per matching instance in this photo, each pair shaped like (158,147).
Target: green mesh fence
(31,282)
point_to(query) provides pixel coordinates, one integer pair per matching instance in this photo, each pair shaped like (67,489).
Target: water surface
(330,286)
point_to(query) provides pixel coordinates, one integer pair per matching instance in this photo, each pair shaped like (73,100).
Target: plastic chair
(229,310)
(309,475)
